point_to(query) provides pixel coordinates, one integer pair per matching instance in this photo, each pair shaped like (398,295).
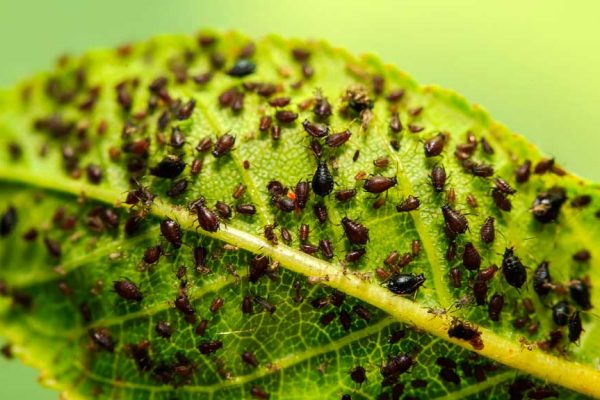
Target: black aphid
(542,281)
(322,107)
(580,293)
(358,374)
(405,284)
(560,313)
(379,184)
(513,270)
(322,182)
(575,327)
(223,145)
(546,206)
(169,168)
(182,303)
(241,68)
(356,232)
(449,375)
(172,232)
(127,290)
(8,221)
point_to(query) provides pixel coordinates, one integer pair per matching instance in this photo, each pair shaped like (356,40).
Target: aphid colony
(314,194)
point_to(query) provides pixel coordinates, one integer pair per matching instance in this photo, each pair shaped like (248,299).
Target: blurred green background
(533,64)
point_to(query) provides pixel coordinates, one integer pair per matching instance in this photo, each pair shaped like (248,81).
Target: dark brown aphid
(487,231)
(495,306)
(542,281)
(163,329)
(216,305)
(269,232)
(259,393)
(172,232)
(411,203)
(395,144)
(523,172)
(472,201)
(377,204)
(309,248)
(456,222)
(258,268)
(415,247)
(247,304)
(438,178)
(405,284)
(169,168)
(513,270)
(358,374)
(302,192)
(127,290)
(580,293)
(361,312)
(320,211)
(503,186)
(501,201)
(338,139)
(395,123)
(209,347)
(356,232)
(316,148)
(449,375)
(204,145)
(178,188)
(575,327)
(355,255)
(582,256)
(103,338)
(581,201)
(344,195)
(304,232)
(481,170)
(465,331)
(8,222)
(285,204)
(152,254)
(392,259)
(379,184)
(544,166)
(488,273)
(279,102)
(223,145)
(249,358)
(396,365)
(322,107)
(207,219)
(30,235)
(314,130)
(327,318)
(546,206)
(322,182)
(434,146)
(241,68)
(451,196)
(326,248)
(186,110)
(451,251)
(286,235)
(560,313)
(486,146)
(445,362)
(265,123)
(182,303)
(320,302)
(223,209)
(94,173)
(345,319)
(286,116)
(480,290)
(471,257)
(542,393)
(53,247)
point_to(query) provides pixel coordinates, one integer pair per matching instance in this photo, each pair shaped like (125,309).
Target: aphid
(216,305)
(223,145)
(434,146)
(302,192)
(546,205)
(326,248)
(451,251)
(405,284)
(186,110)
(501,201)
(199,256)
(486,146)
(513,270)
(405,260)
(356,232)
(279,102)
(209,347)
(327,318)
(86,312)
(259,393)
(314,130)
(303,232)
(152,255)
(361,312)
(242,67)
(465,331)
(247,305)
(480,290)
(127,290)
(582,256)
(560,313)
(163,329)
(445,362)
(523,172)
(411,203)
(542,281)
(53,247)
(449,375)
(285,204)
(575,327)
(182,303)
(495,306)
(392,259)
(204,145)
(456,222)
(286,116)
(438,178)
(581,201)
(239,191)
(338,139)
(322,107)
(472,201)
(542,393)
(207,219)
(103,338)
(8,221)
(178,188)
(396,365)
(580,293)
(451,196)
(316,148)
(170,167)
(345,319)
(276,188)
(223,209)
(355,255)
(482,170)
(382,274)
(320,211)
(379,184)
(395,144)
(249,358)
(503,186)
(269,232)
(358,374)
(322,182)
(415,247)
(265,123)
(172,232)
(309,248)
(344,195)
(94,173)
(258,268)
(471,257)
(544,166)
(488,273)
(30,235)
(395,123)
(487,231)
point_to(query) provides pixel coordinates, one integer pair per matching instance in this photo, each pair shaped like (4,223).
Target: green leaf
(314,319)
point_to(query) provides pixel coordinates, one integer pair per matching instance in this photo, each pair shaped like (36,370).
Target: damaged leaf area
(217,217)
